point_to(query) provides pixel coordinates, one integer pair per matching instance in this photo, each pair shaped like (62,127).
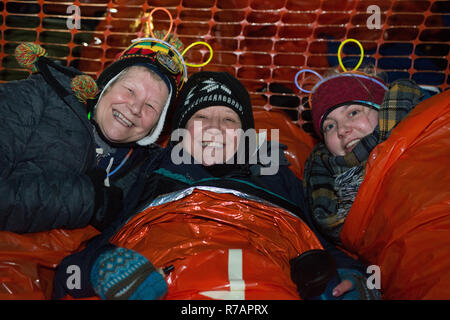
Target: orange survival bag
(400,220)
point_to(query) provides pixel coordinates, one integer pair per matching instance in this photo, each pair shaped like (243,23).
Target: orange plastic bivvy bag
(222,246)
(400,219)
(299,143)
(28,261)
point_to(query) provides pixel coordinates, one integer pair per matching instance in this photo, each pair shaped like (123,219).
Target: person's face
(132,105)
(214,135)
(345,126)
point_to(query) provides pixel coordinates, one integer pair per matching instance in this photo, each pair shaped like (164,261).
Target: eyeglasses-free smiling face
(132,105)
(345,126)
(214,135)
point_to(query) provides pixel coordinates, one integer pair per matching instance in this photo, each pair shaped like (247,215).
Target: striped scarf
(332,182)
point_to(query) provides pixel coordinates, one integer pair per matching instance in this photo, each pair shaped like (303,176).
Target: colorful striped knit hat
(159,56)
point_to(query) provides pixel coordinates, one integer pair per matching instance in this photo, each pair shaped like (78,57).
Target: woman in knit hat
(63,169)
(214,111)
(211,125)
(351,114)
(214,137)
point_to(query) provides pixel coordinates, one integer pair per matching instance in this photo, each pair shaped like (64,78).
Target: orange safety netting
(259,41)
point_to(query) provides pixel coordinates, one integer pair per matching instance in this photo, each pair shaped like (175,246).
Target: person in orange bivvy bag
(352,112)
(219,216)
(377,182)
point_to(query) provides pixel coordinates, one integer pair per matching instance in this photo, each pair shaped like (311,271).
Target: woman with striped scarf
(352,113)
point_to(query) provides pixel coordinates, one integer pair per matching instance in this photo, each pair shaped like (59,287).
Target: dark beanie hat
(206,89)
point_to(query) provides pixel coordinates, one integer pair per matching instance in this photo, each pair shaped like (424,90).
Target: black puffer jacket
(46,147)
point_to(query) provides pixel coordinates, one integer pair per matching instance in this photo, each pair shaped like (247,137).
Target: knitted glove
(359,290)
(108,200)
(121,274)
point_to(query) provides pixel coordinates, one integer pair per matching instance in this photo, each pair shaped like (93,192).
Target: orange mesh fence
(259,41)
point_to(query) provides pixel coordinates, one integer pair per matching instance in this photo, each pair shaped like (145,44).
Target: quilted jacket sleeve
(33,196)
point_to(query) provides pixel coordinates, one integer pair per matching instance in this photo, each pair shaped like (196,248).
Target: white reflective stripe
(224,295)
(235,270)
(235,277)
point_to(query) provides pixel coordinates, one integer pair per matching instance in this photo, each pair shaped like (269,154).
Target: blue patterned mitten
(124,274)
(359,290)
